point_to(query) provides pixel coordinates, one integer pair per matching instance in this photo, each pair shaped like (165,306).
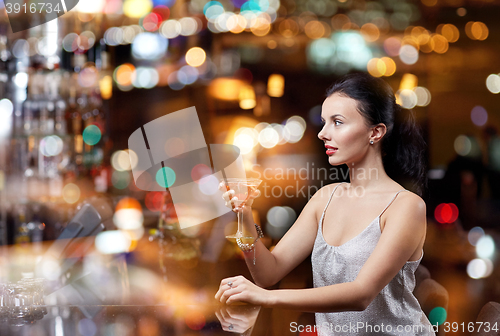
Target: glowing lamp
(226,88)
(247,97)
(275,85)
(409,81)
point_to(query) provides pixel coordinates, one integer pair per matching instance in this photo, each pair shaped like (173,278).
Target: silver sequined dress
(393,311)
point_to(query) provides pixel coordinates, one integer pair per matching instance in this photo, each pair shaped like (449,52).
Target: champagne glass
(243,188)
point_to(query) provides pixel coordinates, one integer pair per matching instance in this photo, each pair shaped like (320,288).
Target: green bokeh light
(91,135)
(165,177)
(120,180)
(437,315)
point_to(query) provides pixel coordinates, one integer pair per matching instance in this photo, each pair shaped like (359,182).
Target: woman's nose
(322,135)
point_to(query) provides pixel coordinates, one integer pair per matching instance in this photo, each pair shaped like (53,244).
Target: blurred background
(73,90)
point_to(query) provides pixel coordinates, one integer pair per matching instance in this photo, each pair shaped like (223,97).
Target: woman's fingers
(255,194)
(228,194)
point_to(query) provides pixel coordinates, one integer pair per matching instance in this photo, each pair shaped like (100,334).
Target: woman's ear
(378,132)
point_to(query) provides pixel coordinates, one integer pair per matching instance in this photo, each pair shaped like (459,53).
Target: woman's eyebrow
(334,116)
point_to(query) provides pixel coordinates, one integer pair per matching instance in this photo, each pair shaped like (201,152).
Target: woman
(363,274)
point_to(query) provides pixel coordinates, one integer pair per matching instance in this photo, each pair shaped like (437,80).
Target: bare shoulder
(408,207)
(410,200)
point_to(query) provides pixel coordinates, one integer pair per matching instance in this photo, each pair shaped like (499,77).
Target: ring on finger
(230,284)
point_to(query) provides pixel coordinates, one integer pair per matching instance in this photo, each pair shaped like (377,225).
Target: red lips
(330,150)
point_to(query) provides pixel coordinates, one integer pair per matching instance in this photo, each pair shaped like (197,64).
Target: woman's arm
(402,235)
(293,247)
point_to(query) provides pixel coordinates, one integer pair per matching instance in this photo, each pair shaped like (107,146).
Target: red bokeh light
(199,171)
(446,213)
(163,11)
(195,320)
(153,200)
(152,22)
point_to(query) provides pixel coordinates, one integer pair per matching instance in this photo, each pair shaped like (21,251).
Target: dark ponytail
(403,147)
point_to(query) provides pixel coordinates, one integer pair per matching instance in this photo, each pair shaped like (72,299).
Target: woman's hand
(239,289)
(238,319)
(230,198)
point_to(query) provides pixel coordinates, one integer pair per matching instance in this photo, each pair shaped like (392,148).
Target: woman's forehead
(339,104)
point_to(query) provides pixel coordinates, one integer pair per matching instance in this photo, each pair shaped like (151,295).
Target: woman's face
(345,132)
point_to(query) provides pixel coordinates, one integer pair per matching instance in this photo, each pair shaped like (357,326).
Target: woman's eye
(337,122)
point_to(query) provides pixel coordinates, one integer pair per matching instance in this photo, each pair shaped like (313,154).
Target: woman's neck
(368,173)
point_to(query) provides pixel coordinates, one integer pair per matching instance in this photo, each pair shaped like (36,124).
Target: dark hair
(403,146)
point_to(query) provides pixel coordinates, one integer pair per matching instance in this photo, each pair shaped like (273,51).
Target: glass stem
(240,222)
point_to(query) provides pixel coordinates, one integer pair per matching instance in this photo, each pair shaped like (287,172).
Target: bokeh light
(493,83)
(208,185)
(91,135)
(149,46)
(153,200)
(247,97)
(128,214)
(479,116)
(199,171)
(392,45)
(165,177)
(124,160)
(195,320)
(423,96)
(408,54)
(21,80)
(479,268)
(406,98)
(294,129)
(275,85)
(485,247)
(279,220)
(151,22)
(446,213)
(170,29)
(120,179)
(195,56)
(174,146)
(71,193)
(476,30)
(245,139)
(112,242)
(51,145)
(6,109)
(268,137)
(437,316)
(145,78)
(462,145)
(137,8)
(474,234)
(124,74)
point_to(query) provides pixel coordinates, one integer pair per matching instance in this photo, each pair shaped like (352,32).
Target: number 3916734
(32,8)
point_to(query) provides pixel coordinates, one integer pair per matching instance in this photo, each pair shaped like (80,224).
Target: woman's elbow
(363,299)
(366,300)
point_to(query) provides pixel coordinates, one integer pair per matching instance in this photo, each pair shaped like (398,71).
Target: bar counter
(148,291)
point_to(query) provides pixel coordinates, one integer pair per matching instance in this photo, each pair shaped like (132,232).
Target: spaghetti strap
(391,201)
(333,192)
